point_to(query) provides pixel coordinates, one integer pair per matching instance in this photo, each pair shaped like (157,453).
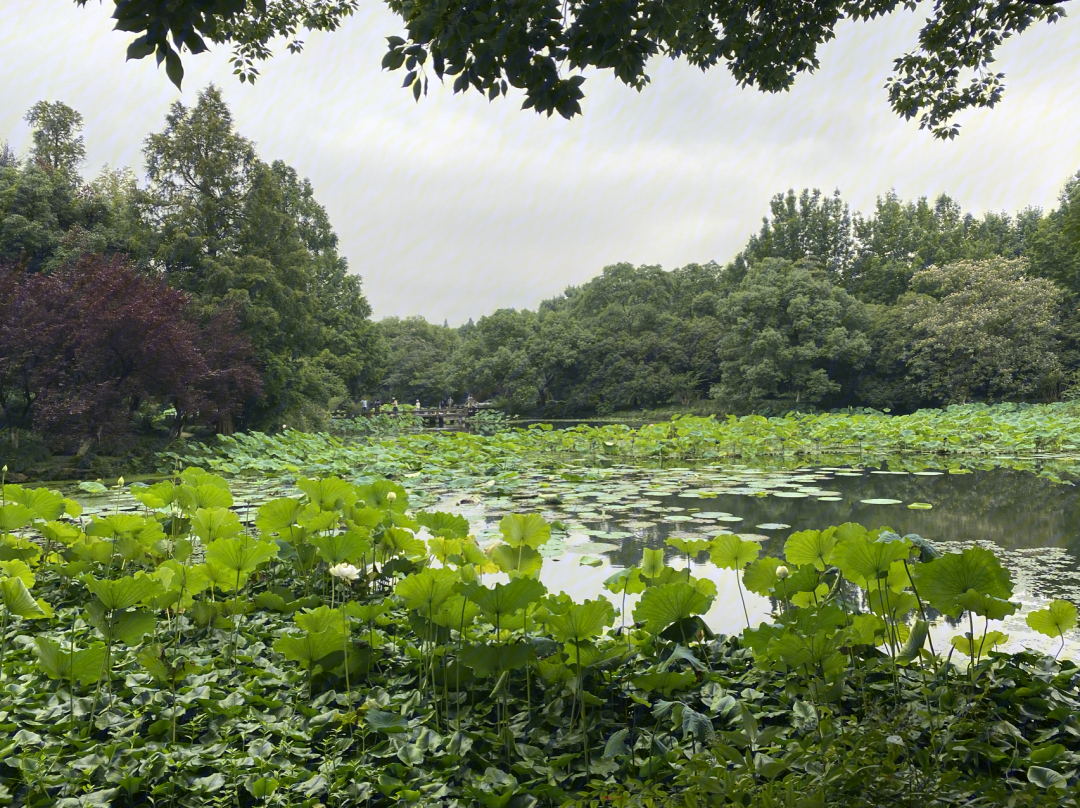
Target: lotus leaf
(337,548)
(660,606)
(732,552)
(241,556)
(308,648)
(18,600)
(652,562)
(944,581)
(486,659)
(376,495)
(215,523)
(426,590)
(980,645)
(85,666)
(328,493)
(1054,620)
(517,561)
(123,593)
(278,514)
(626,581)
(862,559)
(46,505)
(582,621)
(760,575)
(811,547)
(450,526)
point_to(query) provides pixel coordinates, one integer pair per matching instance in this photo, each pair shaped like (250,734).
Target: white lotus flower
(782,572)
(346,572)
(391,496)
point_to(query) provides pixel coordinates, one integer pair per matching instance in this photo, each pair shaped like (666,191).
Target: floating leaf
(880,501)
(920,506)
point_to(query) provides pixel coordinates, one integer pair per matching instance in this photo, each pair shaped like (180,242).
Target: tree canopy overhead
(538,46)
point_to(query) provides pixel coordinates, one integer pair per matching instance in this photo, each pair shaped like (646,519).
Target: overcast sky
(454,207)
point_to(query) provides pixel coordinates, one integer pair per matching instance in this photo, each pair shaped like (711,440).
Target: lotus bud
(5,468)
(120,483)
(782,572)
(391,497)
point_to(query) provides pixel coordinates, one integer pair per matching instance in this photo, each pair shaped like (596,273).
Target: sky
(453,207)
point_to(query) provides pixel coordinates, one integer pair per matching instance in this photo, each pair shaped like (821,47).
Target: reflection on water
(1031,522)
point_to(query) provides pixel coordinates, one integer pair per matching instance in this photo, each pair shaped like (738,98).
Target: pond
(605,517)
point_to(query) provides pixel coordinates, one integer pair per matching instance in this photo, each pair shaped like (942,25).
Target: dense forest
(211,294)
(917,304)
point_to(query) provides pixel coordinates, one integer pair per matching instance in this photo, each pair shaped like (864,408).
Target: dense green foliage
(491,47)
(338,647)
(246,240)
(1025,437)
(915,305)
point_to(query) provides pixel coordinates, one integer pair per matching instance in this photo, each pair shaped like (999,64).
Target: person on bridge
(417,403)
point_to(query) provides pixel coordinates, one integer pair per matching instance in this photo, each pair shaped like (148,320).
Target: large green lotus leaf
(18,600)
(861,559)
(796,649)
(529,530)
(362,515)
(582,621)
(943,581)
(660,606)
(867,629)
(849,530)
(487,659)
(980,645)
(157,497)
(308,648)
(321,619)
(894,605)
(13,516)
(191,580)
(278,514)
(195,476)
(338,548)
(426,590)
(811,547)
(521,561)
(400,540)
(800,579)
(472,553)
(760,576)
(385,722)
(215,523)
(664,682)
(84,666)
(625,580)
(366,612)
(240,555)
(329,493)
(61,533)
(313,520)
(376,496)
(554,671)
(17,568)
(504,599)
(987,605)
(122,593)
(442,548)
(447,525)
(652,562)
(128,626)
(730,552)
(47,505)
(220,577)
(457,611)
(1054,620)
(117,524)
(191,497)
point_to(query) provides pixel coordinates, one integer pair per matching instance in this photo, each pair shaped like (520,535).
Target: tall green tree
(231,229)
(56,129)
(791,338)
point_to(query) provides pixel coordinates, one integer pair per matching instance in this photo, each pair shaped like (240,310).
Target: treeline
(211,293)
(916,304)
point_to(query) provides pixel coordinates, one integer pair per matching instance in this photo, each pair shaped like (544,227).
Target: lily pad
(790,494)
(830,499)
(880,501)
(772,526)
(920,506)
(589,561)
